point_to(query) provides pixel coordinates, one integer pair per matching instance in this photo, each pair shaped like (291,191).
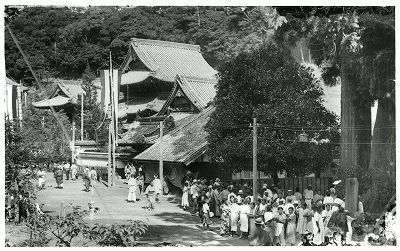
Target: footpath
(167,222)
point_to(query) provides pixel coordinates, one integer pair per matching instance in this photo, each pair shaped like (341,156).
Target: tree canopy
(269,85)
(61,41)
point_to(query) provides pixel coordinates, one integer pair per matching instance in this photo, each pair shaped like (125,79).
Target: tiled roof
(167,59)
(182,145)
(133,77)
(71,91)
(199,91)
(148,132)
(56,101)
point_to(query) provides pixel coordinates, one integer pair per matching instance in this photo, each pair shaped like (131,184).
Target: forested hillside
(61,41)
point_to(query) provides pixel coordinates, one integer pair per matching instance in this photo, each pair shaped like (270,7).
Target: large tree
(355,47)
(285,98)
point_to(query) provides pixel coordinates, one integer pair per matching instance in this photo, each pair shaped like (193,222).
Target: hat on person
(265,186)
(240,192)
(194,180)
(282,200)
(258,221)
(216,183)
(280,206)
(217,179)
(295,202)
(210,186)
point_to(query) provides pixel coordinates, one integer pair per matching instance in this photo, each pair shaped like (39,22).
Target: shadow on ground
(180,218)
(185,235)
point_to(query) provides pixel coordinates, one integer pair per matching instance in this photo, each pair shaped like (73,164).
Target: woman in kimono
(234,216)
(150,193)
(185,196)
(165,185)
(42,178)
(291,227)
(225,213)
(217,200)
(87,179)
(252,218)
(326,216)
(280,220)
(269,223)
(302,224)
(58,175)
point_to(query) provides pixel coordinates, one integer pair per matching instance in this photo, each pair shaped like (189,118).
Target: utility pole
(161,158)
(109,155)
(82,116)
(254,159)
(73,142)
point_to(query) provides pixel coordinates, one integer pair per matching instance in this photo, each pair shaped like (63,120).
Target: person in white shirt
(42,178)
(308,196)
(297,194)
(74,171)
(132,186)
(336,203)
(67,168)
(157,186)
(290,196)
(194,191)
(288,205)
(360,207)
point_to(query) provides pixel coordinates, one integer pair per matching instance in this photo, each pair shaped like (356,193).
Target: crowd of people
(283,215)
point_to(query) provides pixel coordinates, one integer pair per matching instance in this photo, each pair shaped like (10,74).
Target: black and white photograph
(198,125)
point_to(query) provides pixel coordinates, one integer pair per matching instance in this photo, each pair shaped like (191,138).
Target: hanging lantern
(303,137)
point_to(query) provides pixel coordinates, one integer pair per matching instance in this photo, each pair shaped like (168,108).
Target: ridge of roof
(213,80)
(194,47)
(201,114)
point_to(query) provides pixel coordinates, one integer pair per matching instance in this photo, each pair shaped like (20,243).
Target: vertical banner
(105,89)
(116,75)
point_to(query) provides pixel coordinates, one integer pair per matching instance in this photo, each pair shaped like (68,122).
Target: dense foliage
(62,41)
(355,47)
(269,85)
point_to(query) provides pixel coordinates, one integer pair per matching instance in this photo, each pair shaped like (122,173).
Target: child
(206,213)
(150,193)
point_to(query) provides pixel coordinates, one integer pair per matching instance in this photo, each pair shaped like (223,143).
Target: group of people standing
(282,217)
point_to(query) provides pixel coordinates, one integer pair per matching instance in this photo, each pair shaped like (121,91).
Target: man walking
(67,169)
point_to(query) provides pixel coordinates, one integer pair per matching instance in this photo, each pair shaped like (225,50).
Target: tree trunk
(382,167)
(355,131)
(274,176)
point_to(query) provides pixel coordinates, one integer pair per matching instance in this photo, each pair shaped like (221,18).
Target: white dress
(244,219)
(233,218)
(185,197)
(132,189)
(157,185)
(318,236)
(42,178)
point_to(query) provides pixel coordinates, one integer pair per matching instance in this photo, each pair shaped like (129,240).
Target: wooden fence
(318,184)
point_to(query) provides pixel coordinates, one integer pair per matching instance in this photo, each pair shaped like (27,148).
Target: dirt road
(167,223)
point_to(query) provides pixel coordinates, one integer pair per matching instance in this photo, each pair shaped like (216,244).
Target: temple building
(65,96)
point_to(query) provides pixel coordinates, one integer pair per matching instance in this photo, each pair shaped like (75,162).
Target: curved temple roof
(167,59)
